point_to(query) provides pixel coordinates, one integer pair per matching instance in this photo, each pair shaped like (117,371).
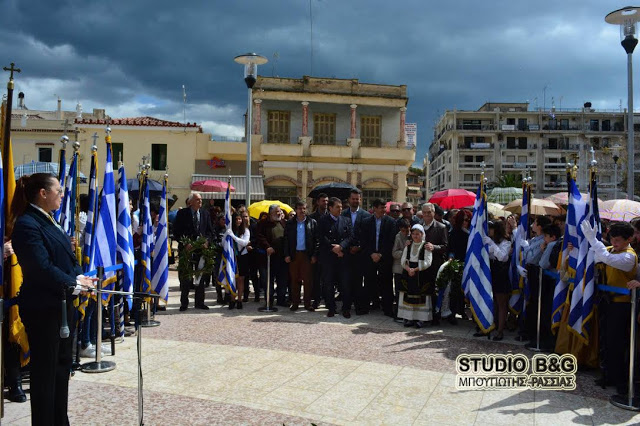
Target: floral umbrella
(620,210)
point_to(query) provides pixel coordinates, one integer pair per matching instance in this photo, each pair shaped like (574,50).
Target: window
(606,125)
(468,140)
(553,124)
(511,158)
(480,139)
(286,194)
(594,125)
(511,142)
(371,130)
(522,159)
(117,152)
(45,154)
(511,121)
(468,178)
(324,129)
(159,156)
(522,124)
(279,126)
(368,195)
(522,143)
(553,143)
(564,124)
(479,158)
(468,158)
(596,143)
(471,124)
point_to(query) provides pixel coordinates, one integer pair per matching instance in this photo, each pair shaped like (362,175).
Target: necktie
(196,222)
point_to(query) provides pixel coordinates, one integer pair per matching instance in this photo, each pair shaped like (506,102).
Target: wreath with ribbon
(451,273)
(188,263)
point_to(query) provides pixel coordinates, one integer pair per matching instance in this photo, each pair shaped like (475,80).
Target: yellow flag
(13,278)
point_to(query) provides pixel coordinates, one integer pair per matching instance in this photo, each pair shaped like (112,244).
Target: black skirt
(243,265)
(500,283)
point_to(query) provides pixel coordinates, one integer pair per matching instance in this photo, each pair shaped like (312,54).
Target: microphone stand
(99,366)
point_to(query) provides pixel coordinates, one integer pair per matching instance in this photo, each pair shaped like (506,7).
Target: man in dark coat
(321,210)
(335,235)
(270,236)
(192,222)
(378,236)
(436,241)
(355,258)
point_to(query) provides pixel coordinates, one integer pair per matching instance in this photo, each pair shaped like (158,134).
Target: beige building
(170,145)
(311,131)
(512,139)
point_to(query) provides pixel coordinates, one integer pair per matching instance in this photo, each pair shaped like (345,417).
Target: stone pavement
(245,367)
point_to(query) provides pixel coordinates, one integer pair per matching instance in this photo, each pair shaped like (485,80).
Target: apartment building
(509,138)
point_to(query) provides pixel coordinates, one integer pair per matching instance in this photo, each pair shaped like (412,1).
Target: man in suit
(270,235)
(300,252)
(378,236)
(437,240)
(192,222)
(322,201)
(355,258)
(335,235)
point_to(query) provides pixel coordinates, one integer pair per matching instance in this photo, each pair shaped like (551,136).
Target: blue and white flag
(105,233)
(62,167)
(87,250)
(227,274)
(476,277)
(68,206)
(147,239)
(125,235)
(160,261)
(575,212)
(581,308)
(519,284)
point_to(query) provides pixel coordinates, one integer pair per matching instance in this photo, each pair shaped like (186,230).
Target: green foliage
(416,170)
(188,259)
(508,180)
(452,272)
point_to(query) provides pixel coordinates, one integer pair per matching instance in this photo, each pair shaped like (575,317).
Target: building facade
(511,139)
(311,131)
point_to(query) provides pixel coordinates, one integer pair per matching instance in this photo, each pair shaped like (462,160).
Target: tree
(508,180)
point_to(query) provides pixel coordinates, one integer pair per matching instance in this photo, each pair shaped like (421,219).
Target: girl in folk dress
(414,305)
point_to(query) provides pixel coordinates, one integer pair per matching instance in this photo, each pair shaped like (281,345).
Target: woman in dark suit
(51,274)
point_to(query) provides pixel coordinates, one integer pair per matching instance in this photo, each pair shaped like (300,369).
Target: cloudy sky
(132,57)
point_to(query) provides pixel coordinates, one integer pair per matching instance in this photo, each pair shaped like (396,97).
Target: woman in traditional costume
(414,305)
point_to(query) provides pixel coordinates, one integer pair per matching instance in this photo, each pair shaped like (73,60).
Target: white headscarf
(419,228)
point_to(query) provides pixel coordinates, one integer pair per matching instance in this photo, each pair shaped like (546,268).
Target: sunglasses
(395,211)
(406,209)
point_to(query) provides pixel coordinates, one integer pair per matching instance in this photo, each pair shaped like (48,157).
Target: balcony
(519,166)
(561,147)
(477,127)
(476,146)
(555,165)
(281,150)
(330,151)
(474,165)
(556,186)
(388,153)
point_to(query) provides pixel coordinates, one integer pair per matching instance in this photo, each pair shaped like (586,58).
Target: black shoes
(16,394)
(232,304)
(205,307)
(183,308)
(346,314)
(239,305)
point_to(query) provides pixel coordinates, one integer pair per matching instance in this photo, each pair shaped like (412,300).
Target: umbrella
(41,167)
(497,210)
(211,185)
(453,198)
(333,189)
(562,199)
(620,210)
(263,206)
(538,207)
(504,195)
(134,185)
(387,207)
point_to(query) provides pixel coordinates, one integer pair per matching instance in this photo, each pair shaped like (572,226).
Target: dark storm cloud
(449,54)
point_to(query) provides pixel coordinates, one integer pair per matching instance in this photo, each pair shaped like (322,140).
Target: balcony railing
(477,127)
(518,165)
(474,165)
(475,145)
(218,138)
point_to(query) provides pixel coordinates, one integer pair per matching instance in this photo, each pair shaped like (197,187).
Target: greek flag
(105,233)
(62,168)
(160,263)
(476,277)
(125,236)
(68,206)
(227,274)
(519,284)
(575,211)
(87,252)
(147,239)
(585,281)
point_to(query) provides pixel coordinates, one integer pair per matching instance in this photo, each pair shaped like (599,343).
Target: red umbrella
(211,185)
(387,207)
(453,198)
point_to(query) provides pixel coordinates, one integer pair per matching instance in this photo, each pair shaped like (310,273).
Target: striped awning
(238,182)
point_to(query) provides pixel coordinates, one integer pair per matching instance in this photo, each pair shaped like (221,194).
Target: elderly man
(300,252)
(395,211)
(407,213)
(192,222)
(271,246)
(437,240)
(355,258)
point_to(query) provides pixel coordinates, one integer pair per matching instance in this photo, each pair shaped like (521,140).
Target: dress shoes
(183,308)
(232,304)
(293,308)
(346,314)
(205,307)
(315,305)
(310,308)
(330,314)
(239,305)
(16,394)
(245,299)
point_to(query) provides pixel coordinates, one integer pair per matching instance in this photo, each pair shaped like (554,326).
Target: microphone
(64,327)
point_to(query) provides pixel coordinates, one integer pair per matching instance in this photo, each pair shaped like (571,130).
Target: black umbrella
(134,185)
(333,189)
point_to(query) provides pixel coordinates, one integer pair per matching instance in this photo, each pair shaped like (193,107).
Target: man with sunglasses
(407,213)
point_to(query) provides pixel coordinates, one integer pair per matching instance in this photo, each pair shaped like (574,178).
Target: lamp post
(250,62)
(615,154)
(627,18)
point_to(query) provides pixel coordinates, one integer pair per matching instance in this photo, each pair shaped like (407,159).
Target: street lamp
(615,154)
(250,62)
(627,18)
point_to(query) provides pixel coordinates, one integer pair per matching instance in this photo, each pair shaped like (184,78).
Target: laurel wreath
(188,263)
(451,273)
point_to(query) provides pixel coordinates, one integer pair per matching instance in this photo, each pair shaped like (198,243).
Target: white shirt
(499,252)
(242,242)
(414,256)
(623,261)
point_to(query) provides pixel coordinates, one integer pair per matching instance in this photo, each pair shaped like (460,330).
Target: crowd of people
(351,260)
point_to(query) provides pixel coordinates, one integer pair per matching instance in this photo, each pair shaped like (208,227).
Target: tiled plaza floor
(294,368)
